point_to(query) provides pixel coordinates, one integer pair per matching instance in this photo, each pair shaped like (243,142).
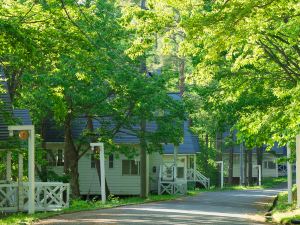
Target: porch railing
(194,175)
(168,182)
(48,196)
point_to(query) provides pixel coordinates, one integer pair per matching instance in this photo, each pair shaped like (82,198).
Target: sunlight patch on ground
(193,212)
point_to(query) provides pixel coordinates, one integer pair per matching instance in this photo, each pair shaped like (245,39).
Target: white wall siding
(155,160)
(119,184)
(236,165)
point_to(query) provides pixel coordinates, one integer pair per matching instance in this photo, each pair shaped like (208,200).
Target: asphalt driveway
(226,207)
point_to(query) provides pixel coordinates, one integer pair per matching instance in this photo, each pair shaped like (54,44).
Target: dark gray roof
(5,108)
(21,116)
(190,143)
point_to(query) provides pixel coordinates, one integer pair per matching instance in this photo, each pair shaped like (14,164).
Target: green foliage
(246,69)
(206,162)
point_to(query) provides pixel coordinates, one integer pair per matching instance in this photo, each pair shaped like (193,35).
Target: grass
(266,183)
(283,212)
(82,205)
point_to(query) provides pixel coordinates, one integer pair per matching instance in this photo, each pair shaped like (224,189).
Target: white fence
(48,196)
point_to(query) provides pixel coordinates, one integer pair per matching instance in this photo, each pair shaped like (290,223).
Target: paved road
(227,207)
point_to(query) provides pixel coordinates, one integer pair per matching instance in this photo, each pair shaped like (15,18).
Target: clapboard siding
(236,165)
(88,177)
(118,184)
(155,160)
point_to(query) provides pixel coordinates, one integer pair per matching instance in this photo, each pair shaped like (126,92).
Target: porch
(20,194)
(170,183)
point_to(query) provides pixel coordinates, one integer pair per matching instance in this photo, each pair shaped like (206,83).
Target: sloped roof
(190,143)
(5,107)
(275,149)
(20,115)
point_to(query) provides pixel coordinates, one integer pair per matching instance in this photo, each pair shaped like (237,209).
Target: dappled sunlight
(233,207)
(160,217)
(193,212)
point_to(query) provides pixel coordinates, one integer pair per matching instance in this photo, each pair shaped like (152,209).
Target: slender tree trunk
(143,144)
(230,167)
(143,158)
(245,166)
(250,165)
(44,171)
(206,154)
(181,76)
(71,158)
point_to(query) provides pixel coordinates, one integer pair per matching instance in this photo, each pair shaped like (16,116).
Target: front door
(181,167)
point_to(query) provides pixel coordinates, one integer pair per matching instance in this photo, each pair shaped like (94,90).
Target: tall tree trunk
(143,144)
(44,171)
(71,158)
(143,158)
(218,146)
(250,166)
(230,167)
(90,127)
(245,166)
(206,154)
(181,76)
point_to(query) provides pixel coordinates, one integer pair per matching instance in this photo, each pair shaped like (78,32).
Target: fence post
(20,184)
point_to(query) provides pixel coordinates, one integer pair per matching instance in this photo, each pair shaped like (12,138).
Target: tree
(90,75)
(259,41)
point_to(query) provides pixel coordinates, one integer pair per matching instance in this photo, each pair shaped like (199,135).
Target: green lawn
(284,212)
(266,183)
(82,205)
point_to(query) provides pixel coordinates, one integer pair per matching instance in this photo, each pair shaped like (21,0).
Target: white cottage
(167,172)
(270,165)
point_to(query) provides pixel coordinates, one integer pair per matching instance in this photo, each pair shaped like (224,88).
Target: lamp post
(102,168)
(27,132)
(259,173)
(222,172)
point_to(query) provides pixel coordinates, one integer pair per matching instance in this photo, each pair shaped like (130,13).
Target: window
(93,165)
(180,172)
(130,167)
(154,169)
(269,165)
(111,161)
(60,157)
(192,162)
(51,158)
(55,157)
